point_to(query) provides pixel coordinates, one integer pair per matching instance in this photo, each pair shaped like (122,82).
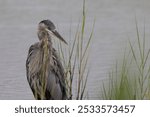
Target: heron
(45,72)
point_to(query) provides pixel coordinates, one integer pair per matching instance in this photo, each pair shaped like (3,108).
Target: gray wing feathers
(58,72)
(33,64)
(55,86)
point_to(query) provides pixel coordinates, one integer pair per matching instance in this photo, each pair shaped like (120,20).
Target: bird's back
(54,80)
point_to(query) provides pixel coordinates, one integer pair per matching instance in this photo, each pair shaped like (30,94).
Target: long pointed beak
(56,34)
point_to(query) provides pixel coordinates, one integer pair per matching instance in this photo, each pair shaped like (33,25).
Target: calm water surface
(18,26)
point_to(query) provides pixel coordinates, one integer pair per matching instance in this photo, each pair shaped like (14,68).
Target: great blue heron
(45,72)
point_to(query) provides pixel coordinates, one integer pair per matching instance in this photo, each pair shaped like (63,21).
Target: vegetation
(130,78)
(76,63)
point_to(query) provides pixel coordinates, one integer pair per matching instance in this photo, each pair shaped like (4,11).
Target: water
(18,24)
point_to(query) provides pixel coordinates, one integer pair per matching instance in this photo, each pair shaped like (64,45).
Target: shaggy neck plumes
(46,58)
(45,41)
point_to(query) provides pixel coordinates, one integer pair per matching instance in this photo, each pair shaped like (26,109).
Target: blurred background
(114,25)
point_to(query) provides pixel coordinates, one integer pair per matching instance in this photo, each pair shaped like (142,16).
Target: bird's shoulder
(32,60)
(34,46)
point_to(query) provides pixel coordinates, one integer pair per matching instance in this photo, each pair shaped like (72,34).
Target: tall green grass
(130,78)
(75,59)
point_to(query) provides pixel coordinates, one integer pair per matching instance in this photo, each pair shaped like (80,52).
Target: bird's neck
(46,45)
(45,39)
(45,42)
(46,48)
(46,52)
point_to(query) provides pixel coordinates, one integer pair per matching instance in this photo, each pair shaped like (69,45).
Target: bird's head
(47,27)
